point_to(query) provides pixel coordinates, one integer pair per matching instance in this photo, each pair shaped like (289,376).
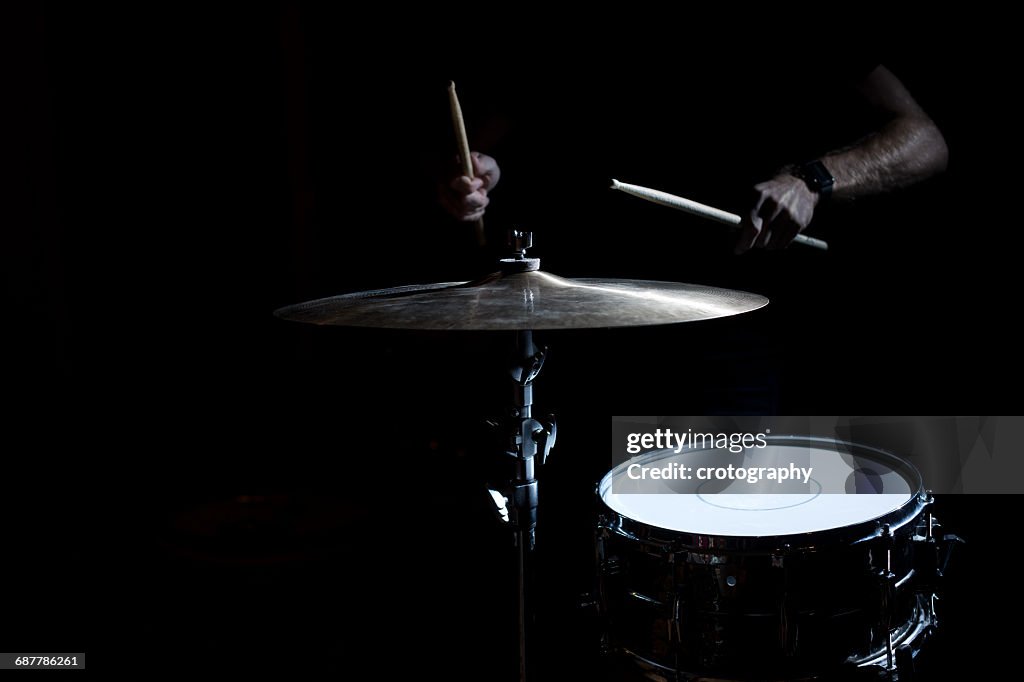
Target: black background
(174,174)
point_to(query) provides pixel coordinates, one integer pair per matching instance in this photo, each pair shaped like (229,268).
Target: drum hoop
(899,521)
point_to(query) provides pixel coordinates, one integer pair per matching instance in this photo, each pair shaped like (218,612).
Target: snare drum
(770,585)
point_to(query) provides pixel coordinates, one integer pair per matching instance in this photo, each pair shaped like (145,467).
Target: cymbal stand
(528,438)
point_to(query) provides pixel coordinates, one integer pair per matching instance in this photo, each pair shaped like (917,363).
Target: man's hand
(466,198)
(782,209)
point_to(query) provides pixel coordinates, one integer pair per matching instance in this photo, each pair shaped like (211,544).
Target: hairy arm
(906,149)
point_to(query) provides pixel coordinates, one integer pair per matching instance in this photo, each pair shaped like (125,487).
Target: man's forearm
(906,150)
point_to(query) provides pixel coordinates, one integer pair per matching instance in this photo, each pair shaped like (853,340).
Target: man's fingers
(750,228)
(778,225)
(480,164)
(468,207)
(757,199)
(466,185)
(783,232)
(475,201)
(460,185)
(764,235)
(471,213)
(748,233)
(769,213)
(485,168)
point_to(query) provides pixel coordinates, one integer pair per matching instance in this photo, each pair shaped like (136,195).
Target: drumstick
(463,144)
(709,212)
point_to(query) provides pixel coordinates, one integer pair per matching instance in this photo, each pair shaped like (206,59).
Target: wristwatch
(817,178)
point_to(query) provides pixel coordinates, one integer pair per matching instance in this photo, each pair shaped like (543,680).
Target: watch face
(817,176)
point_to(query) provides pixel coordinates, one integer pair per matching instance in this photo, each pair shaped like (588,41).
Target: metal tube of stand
(524,470)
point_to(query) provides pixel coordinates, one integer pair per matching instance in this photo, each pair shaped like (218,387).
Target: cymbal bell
(526,300)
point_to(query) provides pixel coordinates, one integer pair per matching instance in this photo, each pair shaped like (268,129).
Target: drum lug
(949,541)
(905,664)
(674,630)
(588,602)
(610,566)
(887,592)
(779,557)
(935,560)
(789,629)
(601,531)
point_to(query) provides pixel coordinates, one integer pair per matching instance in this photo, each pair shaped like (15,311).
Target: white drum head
(847,487)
